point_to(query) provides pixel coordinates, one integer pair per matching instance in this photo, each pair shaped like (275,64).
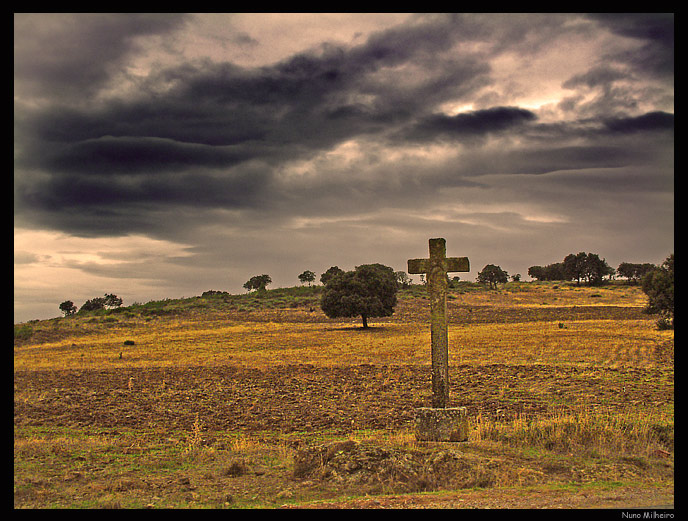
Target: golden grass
(260,344)
(597,431)
(287,336)
(37,446)
(605,342)
(548,295)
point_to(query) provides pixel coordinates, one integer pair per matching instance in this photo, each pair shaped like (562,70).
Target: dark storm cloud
(61,55)
(218,115)
(538,160)
(600,75)
(651,121)
(619,81)
(208,135)
(130,155)
(654,27)
(169,117)
(470,124)
(656,30)
(77,191)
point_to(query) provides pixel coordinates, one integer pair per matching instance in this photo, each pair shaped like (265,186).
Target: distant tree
(93,304)
(634,272)
(550,272)
(212,292)
(259,282)
(596,269)
(403,279)
(492,275)
(307,276)
(536,272)
(586,266)
(574,266)
(331,272)
(628,271)
(555,271)
(68,308)
(642,269)
(369,291)
(658,285)
(112,301)
(516,278)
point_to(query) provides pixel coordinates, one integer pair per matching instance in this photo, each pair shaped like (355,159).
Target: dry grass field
(260,401)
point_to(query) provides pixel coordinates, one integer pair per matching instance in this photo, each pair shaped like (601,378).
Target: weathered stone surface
(443,424)
(436,268)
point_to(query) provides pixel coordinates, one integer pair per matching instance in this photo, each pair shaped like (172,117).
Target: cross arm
(416,266)
(457,264)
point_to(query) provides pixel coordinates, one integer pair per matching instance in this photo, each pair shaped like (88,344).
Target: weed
(194,441)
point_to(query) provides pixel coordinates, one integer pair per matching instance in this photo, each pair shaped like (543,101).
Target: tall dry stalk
(194,441)
(587,430)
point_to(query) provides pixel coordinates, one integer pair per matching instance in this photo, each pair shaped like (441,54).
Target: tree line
(582,266)
(657,282)
(370,290)
(110,300)
(589,268)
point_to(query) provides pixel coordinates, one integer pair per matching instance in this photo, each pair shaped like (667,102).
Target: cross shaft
(436,268)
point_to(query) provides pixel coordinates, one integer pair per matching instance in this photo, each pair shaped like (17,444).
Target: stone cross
(436,268)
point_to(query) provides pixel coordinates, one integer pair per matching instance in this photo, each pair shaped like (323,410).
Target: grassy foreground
(242,401)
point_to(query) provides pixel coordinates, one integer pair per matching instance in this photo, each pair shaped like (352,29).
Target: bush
(658,285)
(23,332)
(94,304)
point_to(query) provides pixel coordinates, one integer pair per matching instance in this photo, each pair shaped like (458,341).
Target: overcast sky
(163,155)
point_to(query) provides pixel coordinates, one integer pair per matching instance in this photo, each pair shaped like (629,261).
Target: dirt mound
(376,469)
(373,468)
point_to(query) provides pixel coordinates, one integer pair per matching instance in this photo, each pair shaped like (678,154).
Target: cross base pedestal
(449,424)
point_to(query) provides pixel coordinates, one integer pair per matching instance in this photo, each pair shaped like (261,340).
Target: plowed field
(307,398)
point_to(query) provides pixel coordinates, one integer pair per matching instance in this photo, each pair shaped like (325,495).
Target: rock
(236,468)
(442,424)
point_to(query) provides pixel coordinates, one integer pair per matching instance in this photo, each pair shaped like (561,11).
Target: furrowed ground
(245,401)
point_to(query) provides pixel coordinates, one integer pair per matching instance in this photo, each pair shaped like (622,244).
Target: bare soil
(306,398)
(622,498)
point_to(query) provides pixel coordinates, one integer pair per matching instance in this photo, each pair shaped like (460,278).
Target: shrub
(94,304)
(23,332)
